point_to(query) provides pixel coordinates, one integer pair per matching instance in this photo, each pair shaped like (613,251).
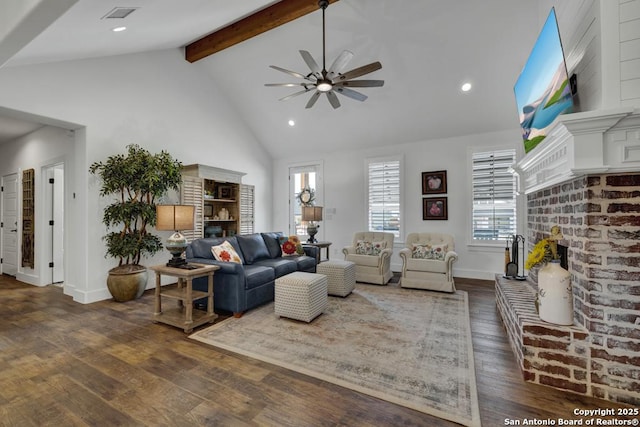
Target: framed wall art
(434,208)
(434,182)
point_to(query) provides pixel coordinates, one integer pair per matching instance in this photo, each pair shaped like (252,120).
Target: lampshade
(174,217)
(312,213)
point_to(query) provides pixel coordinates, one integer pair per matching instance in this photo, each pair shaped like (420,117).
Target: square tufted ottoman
(301,296)
(341,276)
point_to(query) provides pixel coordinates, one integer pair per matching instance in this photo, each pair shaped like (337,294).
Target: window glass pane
(300,181)
(384,196)
(494,195)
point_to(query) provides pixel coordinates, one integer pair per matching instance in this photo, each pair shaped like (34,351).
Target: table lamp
(175,218)
(312,214)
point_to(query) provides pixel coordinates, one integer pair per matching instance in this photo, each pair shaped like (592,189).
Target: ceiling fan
(330,81)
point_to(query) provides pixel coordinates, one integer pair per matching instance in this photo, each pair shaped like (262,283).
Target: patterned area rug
(409,347)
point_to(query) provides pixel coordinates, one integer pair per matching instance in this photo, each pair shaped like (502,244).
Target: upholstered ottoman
(341,276)
(301,296)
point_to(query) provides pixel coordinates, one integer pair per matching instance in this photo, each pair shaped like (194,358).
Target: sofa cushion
(363,260)
(258,275)
(306,263)
(282,266)
(273,241)
(225,252)
(253,248)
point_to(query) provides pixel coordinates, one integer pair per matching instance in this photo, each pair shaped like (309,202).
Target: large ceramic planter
(127,282)
(555,294)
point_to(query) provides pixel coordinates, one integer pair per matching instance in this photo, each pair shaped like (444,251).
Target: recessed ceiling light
(292,123)
(118,29)
(466,87)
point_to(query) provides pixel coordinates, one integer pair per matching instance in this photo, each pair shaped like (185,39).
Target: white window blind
(384,196)
(494,195)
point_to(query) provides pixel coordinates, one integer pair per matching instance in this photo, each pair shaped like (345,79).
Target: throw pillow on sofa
(226,253)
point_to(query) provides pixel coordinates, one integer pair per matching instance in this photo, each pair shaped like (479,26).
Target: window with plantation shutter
(384,195)
(494,195)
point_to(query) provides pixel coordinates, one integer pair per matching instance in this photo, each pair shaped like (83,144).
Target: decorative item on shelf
(554,301)
(175,218)
(312,214)
(225,192)
(223,214)
(212,231)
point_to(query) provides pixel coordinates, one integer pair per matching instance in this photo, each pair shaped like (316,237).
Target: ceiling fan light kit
(330,81)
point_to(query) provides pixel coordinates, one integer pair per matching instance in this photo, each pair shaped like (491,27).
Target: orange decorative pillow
(226,253)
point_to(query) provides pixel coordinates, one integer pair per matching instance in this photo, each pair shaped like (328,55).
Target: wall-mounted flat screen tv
(543,91)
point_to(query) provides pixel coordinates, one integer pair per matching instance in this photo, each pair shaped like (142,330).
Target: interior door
(9,230)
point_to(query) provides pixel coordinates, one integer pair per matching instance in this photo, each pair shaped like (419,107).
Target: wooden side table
(320,245)
(184,316)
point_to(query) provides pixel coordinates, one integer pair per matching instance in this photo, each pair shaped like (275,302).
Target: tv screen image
(543,91)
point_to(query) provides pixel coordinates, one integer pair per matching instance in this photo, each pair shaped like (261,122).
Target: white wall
(157,100)
(344,190)
(629,39)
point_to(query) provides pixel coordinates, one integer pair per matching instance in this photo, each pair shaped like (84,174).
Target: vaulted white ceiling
(427,48)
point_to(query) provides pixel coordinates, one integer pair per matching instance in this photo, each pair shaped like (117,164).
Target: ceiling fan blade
(339,63)
(313,65)
(333,99)
(351,93)
(287,84)
(291,73)
(357,72)
(313,99)
(294,95)
(361,83)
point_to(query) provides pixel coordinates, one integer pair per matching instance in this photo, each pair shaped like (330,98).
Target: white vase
(555,294)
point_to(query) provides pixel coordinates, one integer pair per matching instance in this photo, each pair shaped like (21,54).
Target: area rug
(409,347)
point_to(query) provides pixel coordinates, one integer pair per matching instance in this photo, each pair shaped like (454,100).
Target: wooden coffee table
(184,315)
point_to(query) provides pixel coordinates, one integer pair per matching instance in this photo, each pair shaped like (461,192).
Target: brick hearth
(600,355)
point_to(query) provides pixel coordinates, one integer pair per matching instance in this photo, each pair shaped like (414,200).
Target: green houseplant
(135,180)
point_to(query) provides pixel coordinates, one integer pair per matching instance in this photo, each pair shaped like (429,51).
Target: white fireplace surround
(592,142)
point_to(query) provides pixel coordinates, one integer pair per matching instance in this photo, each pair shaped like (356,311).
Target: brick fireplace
(596,202)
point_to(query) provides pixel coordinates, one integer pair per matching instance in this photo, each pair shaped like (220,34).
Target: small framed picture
(224,192)
(434,182)
(208,211)
(434,208)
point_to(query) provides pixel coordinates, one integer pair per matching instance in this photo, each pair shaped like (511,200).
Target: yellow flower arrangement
(545,250)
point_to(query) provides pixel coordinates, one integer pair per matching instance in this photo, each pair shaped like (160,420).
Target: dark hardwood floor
(103,364)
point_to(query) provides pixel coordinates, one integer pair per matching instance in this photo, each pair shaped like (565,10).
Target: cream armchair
(427,262)
(371,253)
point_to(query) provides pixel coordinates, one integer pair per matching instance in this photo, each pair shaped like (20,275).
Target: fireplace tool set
(513,252)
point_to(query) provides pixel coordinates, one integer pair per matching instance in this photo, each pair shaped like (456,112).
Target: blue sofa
(240,287)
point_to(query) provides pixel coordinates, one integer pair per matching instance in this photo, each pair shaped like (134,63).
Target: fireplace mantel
(592,142)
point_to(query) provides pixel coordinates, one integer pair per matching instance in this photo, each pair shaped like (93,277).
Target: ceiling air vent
(119,12)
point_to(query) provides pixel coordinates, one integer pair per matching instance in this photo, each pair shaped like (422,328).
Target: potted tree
(135,180)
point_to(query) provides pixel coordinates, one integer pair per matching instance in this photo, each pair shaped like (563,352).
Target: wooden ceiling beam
(262,21)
